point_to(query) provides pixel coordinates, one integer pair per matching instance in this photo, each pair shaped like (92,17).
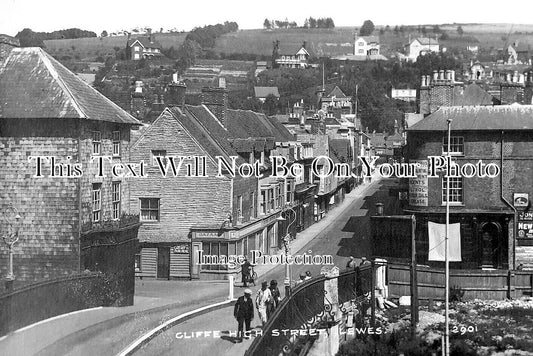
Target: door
(163,262)
(195,263)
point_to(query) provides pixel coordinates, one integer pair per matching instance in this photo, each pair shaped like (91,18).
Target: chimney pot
(441,74)
(435,75)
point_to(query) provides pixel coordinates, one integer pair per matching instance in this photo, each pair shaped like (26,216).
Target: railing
(311,306)
(43,300)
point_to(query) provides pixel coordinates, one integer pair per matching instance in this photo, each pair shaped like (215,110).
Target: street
(347,235)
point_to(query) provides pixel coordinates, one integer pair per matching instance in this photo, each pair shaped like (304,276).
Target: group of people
(266,301)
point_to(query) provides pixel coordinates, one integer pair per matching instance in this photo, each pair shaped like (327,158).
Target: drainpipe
(506,201)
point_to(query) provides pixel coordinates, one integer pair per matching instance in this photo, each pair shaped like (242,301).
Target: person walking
(276,297)
(244,313)
(245,270)
(351,263)
(262,301)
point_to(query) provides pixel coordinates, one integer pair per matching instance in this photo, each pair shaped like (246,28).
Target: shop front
(214,251)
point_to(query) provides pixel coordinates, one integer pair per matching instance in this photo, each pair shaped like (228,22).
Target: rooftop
(467,118)
(34,85)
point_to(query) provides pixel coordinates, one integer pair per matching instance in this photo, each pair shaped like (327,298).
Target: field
(90,48)
(321,42)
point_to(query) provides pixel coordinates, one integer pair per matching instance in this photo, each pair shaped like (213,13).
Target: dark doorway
(163,262)
(492,245)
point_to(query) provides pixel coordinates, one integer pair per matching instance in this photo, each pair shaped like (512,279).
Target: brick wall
(184,201)
(482,193)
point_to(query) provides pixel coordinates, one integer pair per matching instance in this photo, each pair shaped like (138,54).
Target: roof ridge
(48,64)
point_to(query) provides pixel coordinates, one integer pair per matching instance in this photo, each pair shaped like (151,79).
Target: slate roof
(263,92)
(34,85)
(369,39)
(336,92)
(426,41)
(473,95)
(467,118)
(145,42)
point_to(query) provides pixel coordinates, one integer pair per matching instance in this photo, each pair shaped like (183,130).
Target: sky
(111,15)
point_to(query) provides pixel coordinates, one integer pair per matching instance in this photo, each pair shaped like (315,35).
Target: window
(456,145)
(136,48)
(253,212)
(97,142)
(289,191)
(150,209)
(158,153)
(116,200)
(456,190)
(279,197)
(263,202)
(116,143)
(97,202)
(239,208)
(138,262)
(271,200)
(361,43)
(217,249)
(361,51)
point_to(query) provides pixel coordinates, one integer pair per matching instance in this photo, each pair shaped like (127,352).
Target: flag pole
(446,249)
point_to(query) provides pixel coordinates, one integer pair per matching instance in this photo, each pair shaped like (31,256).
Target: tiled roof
(34,85)
(207,130)
(341,149)
(263,92)
(466,118)
(145,41)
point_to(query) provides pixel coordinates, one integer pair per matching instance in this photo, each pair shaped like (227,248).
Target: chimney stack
(7,43)
(216,100)
(175,93)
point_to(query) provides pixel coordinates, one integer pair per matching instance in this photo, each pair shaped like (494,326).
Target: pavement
(107,331)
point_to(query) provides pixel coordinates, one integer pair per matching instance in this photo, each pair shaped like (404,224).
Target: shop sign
(180,249)
(525,225)
(418,187)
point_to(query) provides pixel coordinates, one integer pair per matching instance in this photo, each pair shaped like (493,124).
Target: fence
(311,306)
(43,300)
(477,284)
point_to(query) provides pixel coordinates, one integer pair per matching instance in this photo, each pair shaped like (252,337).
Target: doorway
(492,251)
(163,262)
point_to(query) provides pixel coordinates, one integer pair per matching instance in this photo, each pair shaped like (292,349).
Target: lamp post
(286,243)
(11,220)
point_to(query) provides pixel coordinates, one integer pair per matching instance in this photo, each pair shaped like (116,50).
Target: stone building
(46,110)
(217,214)
(494,213)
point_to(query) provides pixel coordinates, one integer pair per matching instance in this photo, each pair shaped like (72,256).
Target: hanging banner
(437,244)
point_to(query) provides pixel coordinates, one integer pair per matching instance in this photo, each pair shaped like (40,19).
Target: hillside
(319,41)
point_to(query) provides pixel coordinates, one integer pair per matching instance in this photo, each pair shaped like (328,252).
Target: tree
(104,33)
(460,30)
(367,28)
(396,30)
(267,25)
(271,104)
(312,22)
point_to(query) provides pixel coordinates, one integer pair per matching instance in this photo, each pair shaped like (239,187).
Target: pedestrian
(244,313)
(302,278)
(245,270)
(364,261)
(351,262)
(262,301)
(307,275)
(276,297)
